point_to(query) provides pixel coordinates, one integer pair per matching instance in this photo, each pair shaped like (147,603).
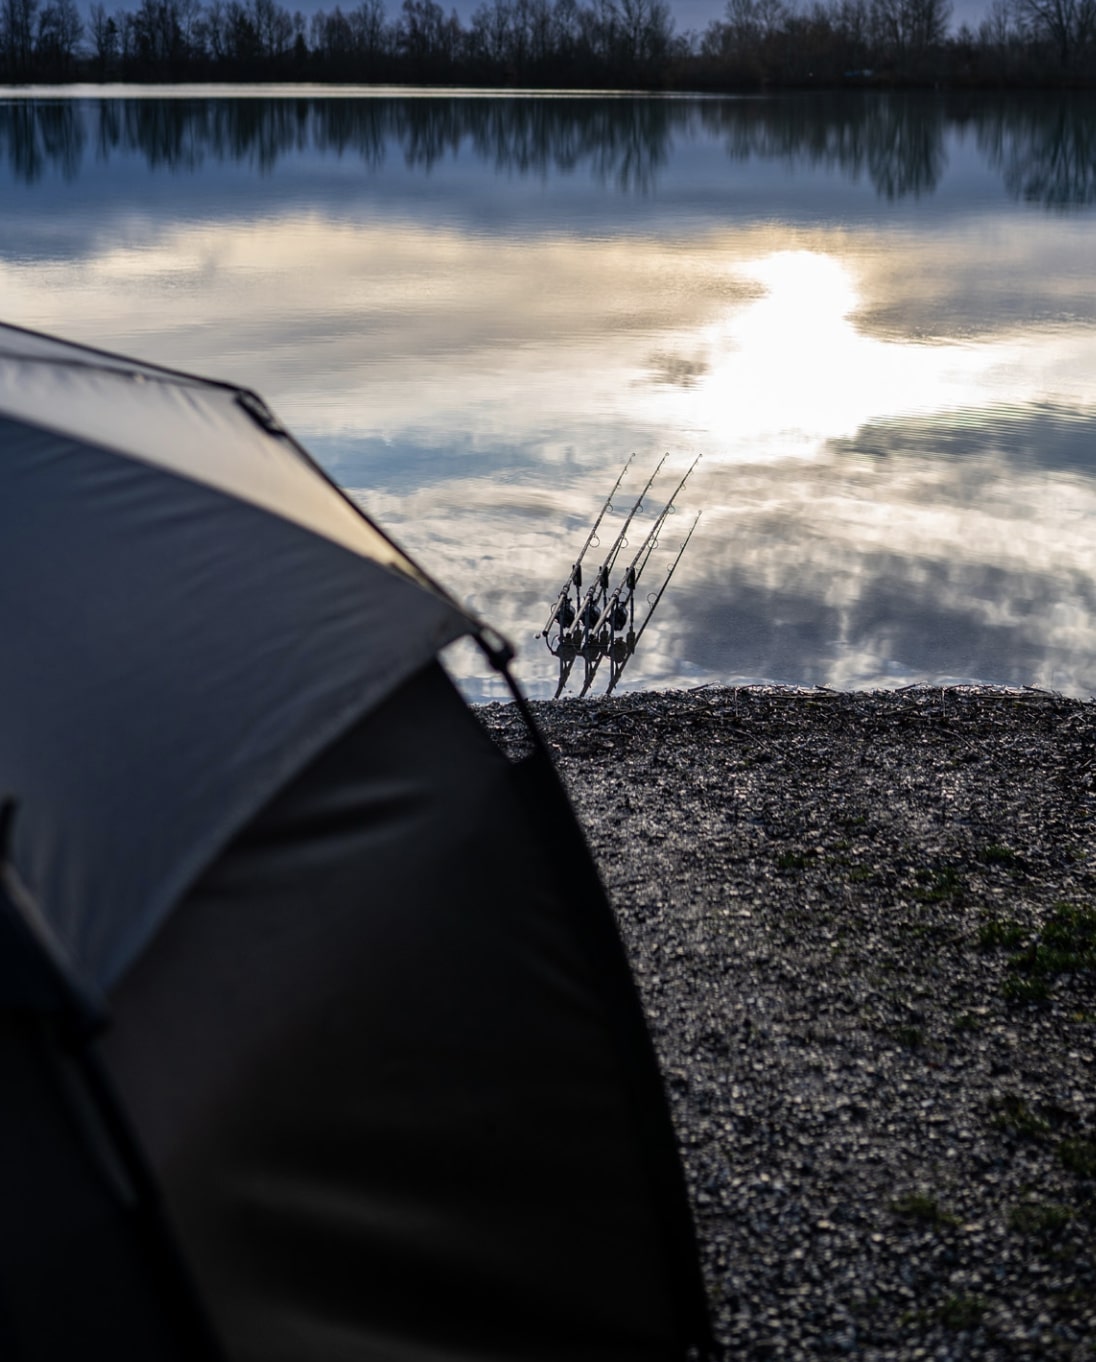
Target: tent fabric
(66,1222)
(421,1068)
(82,1215)
(35,970)
(226,675)
(203,431)
(370,1015)
(19,343)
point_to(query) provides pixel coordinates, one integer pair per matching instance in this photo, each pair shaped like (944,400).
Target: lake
(872,316)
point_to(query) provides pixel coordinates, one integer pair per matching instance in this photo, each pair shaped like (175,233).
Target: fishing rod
(566,652)
(618,611)
(588,611)
(592,655)
(564,675)
(669,573)
(575,578)
(628,645)
(635,568)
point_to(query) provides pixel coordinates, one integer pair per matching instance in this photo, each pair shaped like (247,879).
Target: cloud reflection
(409,331)
(875,511)
(879,563)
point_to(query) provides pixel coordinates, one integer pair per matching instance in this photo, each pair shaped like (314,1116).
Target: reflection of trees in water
(40,136)
(169,133)
(897,141)
(828,133)
(630,150)
(906,155)
(360,127)
(108,131)
(1044,150)
(180,134)
(624,142)
(429,131)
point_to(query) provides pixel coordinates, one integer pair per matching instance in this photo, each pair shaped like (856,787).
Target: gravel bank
(864,930)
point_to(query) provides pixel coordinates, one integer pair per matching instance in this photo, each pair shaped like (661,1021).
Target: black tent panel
(373,1061)
(88,1265)
(84,1269)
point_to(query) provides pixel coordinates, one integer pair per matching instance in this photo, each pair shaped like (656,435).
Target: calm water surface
(874,318)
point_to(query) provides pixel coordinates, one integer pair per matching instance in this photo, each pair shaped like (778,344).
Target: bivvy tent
(317,1041)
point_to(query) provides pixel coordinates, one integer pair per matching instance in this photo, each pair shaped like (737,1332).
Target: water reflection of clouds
(859,568)
(978,277)
(438,331)
(893,546)
(891,493)
(393,321)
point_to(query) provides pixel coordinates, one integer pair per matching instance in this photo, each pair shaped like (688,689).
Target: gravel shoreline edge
(863,926)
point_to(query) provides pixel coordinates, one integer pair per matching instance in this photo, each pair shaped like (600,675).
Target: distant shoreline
(556,44)
(684,83)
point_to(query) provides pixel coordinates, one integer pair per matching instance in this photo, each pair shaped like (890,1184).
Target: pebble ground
(863,928)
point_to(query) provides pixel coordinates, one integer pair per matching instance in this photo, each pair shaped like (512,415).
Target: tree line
(596,44)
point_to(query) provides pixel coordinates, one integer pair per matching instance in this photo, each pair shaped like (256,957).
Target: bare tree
(1069,26)
(157,35)
(333,37)
(748,28)
(852,19)
(17,35)
(104,38)
(425,36)
(565,28)
(910,28)
(273,27)
(241,35)
(369,30)
(645,33)
(211,35)
(60,29)
(540,22)
(191,29)
(999,26)
(490,35)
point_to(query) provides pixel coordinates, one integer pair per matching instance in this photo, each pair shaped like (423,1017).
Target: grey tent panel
(226,645)
(207,432)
